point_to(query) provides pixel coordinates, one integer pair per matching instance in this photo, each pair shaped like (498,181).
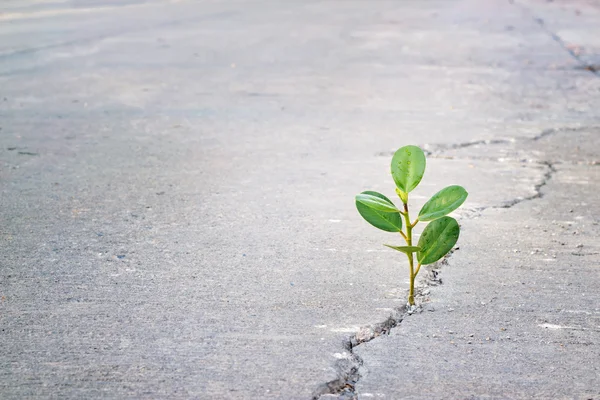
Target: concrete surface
(176,199)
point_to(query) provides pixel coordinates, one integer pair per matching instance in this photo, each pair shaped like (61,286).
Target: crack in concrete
(594,69)
(348,366)
(437,150)
(432,149)
(548,175)
(537,188)
(549,132)
(440,148)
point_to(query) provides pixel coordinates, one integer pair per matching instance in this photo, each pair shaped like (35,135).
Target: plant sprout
(438,237)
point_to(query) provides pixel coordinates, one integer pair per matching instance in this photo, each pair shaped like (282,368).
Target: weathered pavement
(176,199)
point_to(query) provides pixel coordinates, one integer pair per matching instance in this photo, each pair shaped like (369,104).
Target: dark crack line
(543,134)
(539,21)
(348,368)
(537,188)
(430,149)
(548,175)
(437,150)
(548,132)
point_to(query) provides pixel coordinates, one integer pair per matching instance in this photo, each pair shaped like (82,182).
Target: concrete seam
(539,21)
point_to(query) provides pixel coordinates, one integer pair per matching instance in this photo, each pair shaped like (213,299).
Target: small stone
(471,335)
(579,246)
(365,334)
(469,342)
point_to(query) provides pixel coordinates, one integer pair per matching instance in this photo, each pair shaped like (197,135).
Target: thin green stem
(411,292)
(409,227)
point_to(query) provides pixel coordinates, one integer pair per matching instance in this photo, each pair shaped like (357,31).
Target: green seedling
(438,237)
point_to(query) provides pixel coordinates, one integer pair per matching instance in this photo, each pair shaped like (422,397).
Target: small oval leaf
(408,167)
(386,221)
(376,201)
(404,249)
(443,202)
(437,239)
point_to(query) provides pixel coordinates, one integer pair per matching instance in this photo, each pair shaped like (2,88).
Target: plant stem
(409,227)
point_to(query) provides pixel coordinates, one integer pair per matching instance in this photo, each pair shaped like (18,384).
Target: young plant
(438,237)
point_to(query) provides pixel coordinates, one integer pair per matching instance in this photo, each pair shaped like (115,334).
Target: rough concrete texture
(177,183)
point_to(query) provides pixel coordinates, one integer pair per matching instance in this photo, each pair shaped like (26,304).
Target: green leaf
(408,167)
(443,202)
(404,249)
(437,239)
(387,221)
(376,201)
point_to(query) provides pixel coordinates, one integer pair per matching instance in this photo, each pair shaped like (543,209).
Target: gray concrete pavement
(177,183)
